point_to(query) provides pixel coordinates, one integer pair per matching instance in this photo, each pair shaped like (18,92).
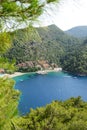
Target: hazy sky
(67,14)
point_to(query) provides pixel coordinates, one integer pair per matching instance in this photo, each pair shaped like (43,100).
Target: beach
(38,72)
(12,75)
(15,74)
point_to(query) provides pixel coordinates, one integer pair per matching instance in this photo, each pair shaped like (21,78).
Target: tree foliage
(75,61)
(17,11)
(22,9)
(8,103)
(47,43)
(68,115)
(8,65)
(5,42)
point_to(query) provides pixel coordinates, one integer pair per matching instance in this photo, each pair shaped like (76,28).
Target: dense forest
(75,61)
(52,44)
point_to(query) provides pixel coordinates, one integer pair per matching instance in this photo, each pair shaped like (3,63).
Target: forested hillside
(51,44)
(75,61)
(48,43)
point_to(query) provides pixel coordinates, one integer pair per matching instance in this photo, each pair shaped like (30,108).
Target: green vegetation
(5,42)
(8,103)
(68,115)
(48,43)
(8,65)
(75,61)
(21,10)
(51,45)
(28,69)
(10,10)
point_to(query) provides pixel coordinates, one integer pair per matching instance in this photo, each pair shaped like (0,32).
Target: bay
(39,90)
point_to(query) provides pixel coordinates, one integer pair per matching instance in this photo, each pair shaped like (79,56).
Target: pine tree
(19,11)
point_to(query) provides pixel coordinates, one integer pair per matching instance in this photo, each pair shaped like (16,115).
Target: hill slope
(48,43)
(51,44)
(75,61)
(80,31)
(53,33)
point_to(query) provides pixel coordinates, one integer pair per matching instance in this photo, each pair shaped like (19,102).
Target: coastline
(42,72)
(75,74)
(47,71)
(12,75)
(37,72)
(15,74)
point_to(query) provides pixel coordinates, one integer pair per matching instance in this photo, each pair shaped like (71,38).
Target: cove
(39,90)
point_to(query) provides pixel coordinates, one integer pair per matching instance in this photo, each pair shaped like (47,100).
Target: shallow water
(1,75)
(39,90)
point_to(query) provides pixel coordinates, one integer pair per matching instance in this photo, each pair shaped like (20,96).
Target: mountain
(50,44)
(79,31)
(44,43)
(53,33)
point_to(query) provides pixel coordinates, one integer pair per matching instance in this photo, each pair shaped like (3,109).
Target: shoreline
(37,72)
(15,74)
(12,75)
(47,71)
(42,72)
(75,74)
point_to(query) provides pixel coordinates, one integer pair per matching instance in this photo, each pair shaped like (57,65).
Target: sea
(39,90)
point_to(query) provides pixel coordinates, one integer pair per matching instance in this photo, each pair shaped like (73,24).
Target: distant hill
(79,31)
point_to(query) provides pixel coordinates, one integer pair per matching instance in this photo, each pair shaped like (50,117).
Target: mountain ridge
(78,31)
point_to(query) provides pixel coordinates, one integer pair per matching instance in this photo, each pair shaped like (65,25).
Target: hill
(75,61)
(47,43)
(79,31)
(53,33)
(52,45)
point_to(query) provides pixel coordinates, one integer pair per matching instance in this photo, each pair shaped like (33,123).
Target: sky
(66,14)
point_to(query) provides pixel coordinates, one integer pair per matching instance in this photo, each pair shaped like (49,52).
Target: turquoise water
(39,90)
(1,75)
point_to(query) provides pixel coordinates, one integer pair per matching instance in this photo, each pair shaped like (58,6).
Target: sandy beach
(12,75)
(38,72)
(15,74)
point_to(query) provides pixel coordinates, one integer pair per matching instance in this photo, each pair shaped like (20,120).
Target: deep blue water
(39,90)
